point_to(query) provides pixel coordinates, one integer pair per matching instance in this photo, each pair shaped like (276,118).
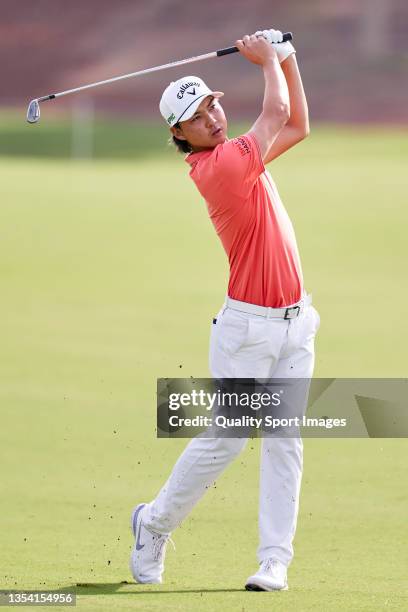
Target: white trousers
(247,346)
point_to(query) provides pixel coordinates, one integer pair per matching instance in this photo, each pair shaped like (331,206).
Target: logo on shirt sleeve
(243,145)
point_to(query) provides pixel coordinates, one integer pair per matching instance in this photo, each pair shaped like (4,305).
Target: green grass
(111,273)
(53,139)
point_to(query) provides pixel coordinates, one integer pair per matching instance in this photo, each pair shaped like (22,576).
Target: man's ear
(178,133)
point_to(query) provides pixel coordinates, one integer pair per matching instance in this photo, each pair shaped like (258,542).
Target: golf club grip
(287,36)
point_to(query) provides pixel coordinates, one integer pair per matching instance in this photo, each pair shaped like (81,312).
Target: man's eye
(213,105)
(195,118)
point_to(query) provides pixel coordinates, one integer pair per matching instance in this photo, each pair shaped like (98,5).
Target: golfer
(266,327)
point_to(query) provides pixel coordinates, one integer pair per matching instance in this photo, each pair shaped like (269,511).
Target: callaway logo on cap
(181,99)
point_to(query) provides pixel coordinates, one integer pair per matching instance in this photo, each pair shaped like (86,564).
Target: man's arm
(276,106)
(297,126)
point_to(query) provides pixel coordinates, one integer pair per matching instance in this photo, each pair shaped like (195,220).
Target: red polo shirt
(251,221)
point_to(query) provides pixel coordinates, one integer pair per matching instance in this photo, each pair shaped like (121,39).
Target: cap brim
(189,112)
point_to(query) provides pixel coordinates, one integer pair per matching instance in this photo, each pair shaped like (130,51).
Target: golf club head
(33,111)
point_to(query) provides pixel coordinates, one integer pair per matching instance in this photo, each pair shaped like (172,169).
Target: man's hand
(256,49)
(275,37)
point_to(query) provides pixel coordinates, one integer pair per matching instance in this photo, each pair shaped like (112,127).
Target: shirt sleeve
(238,164)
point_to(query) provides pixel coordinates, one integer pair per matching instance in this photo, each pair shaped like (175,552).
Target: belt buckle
(286,317)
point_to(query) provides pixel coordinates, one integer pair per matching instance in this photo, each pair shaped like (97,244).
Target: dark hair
(181,145)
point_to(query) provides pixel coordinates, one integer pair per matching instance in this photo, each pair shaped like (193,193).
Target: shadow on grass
(101,588)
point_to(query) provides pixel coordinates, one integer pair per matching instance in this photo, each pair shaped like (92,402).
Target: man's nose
(210,120)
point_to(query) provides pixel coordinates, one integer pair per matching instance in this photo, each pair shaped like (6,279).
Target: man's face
(206,129)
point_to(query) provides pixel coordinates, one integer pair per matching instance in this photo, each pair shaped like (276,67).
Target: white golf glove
(274,37)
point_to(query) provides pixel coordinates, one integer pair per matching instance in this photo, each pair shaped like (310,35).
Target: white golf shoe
(147,558)
(271,576)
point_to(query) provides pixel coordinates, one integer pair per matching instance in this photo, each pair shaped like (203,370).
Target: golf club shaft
(197,58)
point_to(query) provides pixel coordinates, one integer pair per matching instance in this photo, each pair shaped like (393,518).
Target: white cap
(181,98)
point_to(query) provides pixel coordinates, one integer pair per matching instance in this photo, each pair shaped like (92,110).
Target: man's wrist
(270,61)
(289,66)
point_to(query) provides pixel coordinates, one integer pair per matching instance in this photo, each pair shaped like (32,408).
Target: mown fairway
(110,274)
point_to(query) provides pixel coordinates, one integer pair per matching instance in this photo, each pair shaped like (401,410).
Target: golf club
(33,111)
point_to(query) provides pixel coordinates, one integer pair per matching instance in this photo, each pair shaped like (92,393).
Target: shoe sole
(251,586)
